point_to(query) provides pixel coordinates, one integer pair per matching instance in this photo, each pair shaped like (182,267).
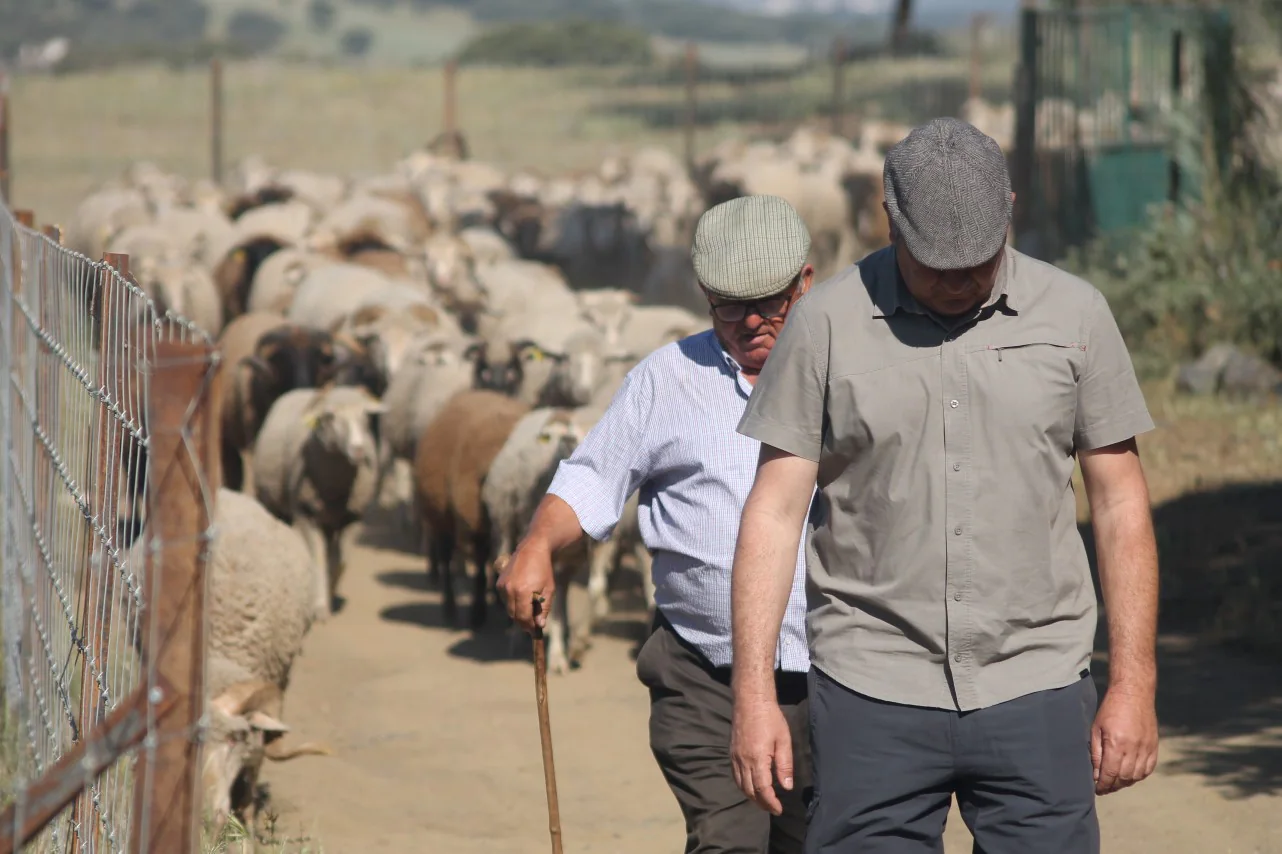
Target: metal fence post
(183,479)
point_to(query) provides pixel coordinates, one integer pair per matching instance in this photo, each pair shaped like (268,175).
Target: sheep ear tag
(311,420)
(536,354)
(544,438)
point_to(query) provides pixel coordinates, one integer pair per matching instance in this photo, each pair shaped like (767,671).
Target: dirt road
(437,748)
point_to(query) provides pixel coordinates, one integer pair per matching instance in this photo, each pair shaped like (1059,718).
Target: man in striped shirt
(670,432)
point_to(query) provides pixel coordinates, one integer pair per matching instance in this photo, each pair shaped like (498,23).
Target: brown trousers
(690,717)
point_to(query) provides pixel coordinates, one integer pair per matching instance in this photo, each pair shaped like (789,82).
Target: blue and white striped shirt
(671,432)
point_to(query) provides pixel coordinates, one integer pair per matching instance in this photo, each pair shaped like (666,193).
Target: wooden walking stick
(545,730)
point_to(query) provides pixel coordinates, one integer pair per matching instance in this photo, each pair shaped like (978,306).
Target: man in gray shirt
(938,393)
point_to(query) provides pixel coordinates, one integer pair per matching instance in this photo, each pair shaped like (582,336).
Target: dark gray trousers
(690,717)
(885,774)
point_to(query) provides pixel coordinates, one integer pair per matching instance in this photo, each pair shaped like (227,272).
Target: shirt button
(957,597)
(957,657)
(957,530)
(956,466)
(954,404)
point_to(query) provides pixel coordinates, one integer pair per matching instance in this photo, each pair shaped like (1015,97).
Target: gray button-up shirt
(944,549)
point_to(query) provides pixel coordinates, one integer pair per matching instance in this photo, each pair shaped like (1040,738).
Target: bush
(356,42)
(1206,271)
(321,14)
(255,31)
(559,44)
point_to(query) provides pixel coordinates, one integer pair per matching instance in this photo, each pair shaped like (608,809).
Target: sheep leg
(554,631)
(317,548)
(440,554)
(601,563)
(481,548)
(233,468)
(645,564)
(334,561)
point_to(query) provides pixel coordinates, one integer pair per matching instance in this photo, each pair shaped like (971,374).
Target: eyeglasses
(767,309)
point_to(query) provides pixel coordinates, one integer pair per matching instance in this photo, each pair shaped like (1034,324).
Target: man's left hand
(1124,740)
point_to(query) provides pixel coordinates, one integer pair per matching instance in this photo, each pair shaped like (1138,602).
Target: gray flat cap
(750,247)
(948,194)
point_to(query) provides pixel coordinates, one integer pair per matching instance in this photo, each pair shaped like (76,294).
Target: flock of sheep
(427,343)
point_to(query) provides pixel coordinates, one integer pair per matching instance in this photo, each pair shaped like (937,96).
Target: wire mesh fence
(108,501)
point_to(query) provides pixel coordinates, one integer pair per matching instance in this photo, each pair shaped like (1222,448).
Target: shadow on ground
(1219,671)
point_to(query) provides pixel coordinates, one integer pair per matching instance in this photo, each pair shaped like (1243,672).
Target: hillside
(378,31)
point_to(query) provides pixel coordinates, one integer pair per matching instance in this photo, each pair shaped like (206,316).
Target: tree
(900,26)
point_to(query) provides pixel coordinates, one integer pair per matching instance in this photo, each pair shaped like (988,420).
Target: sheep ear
(245,696)
(256,364)
(260,720)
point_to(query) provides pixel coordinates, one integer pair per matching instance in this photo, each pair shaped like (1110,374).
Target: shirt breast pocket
(1027,386)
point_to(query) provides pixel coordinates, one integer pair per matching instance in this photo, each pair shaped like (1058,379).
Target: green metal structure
(1111,113)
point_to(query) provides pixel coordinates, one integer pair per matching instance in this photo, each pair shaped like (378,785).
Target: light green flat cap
(750,247)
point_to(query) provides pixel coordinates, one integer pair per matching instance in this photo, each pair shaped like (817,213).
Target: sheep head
(350,425)
(560,433)
(451,272)
(244,727)
(288,357)
(497,364)
(234,274)
(387,337)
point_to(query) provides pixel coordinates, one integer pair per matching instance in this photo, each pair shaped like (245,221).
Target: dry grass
(73,132)
(1214,469)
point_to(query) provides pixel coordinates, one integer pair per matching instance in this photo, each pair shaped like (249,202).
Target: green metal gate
(1105,99)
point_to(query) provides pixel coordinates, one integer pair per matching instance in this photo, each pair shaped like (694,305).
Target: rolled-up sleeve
(613,460)
(786,408)
(1110,404)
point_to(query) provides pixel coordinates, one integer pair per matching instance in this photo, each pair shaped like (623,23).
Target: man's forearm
(554,525)
(1128,577)
(764,563)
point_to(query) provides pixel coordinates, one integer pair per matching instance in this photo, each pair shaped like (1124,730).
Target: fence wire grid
(81,346)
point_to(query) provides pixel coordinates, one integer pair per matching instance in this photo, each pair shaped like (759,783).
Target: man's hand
(1124,740)
(759,743)
(527,576)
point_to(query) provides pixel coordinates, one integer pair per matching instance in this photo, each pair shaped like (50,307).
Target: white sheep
(433,371)
(517,480)
(277,279)
(317,466)
(260,608)
(607,309)
(330,292)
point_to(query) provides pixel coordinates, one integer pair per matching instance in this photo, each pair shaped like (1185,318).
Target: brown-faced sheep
(317,467)
(451,462)
(267,357)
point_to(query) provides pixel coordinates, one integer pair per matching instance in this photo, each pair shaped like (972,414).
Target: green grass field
(73,132)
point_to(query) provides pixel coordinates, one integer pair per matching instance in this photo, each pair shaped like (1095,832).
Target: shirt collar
(731,364)
(891,294)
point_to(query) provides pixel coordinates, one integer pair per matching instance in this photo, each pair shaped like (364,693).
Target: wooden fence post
(216,120)
(4,140)
(692,111)
(167,779)
(449,94)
